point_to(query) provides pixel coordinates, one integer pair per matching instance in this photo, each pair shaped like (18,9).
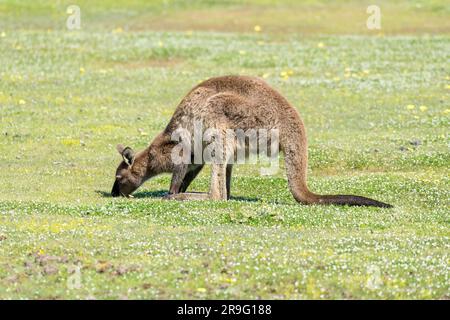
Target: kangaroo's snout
(115,192)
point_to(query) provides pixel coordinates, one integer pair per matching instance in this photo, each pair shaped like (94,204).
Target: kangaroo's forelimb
(220,183)
(190,176)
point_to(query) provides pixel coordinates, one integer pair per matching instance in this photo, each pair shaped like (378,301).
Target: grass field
(375,104)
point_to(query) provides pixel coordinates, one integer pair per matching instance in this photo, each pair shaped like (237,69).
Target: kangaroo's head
(127,179)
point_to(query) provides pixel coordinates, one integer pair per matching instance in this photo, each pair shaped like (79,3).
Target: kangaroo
(227,102)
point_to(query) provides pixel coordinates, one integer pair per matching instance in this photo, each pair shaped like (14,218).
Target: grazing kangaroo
(229,102)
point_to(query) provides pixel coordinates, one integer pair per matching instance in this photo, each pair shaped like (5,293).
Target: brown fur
(229,102)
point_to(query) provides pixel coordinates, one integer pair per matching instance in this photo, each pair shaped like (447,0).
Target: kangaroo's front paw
(168,196)
(186,196)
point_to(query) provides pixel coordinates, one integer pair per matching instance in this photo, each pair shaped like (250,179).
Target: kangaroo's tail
(351,200)
(294,144)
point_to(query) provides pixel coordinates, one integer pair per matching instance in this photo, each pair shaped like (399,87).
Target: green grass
(67,98)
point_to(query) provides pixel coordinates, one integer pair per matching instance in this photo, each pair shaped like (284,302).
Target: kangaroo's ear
(127,154)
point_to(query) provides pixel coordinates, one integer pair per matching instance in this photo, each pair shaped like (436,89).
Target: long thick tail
(351,200)
(294,144)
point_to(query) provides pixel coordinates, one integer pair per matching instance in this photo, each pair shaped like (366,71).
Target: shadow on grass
(162,193)
(150,194)
(245,199)
(104,194)
(141,194)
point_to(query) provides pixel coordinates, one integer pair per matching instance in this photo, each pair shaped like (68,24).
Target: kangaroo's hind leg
(218,189)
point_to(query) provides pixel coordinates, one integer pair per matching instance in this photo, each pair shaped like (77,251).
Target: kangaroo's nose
(115,192)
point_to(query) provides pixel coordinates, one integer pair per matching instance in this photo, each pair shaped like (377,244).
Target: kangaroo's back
(253,89)
(257,102)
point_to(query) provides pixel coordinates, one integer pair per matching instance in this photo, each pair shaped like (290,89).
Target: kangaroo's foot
(188,196)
